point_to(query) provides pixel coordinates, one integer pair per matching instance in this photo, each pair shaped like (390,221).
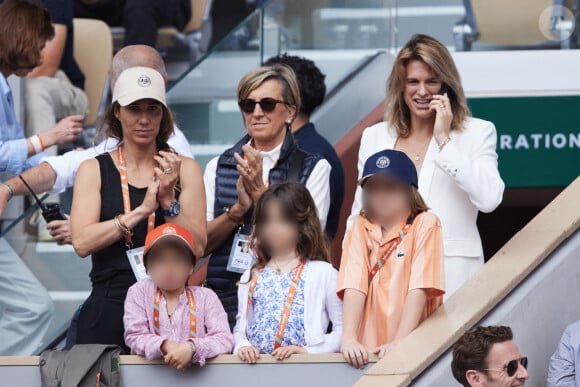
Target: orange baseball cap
(169,231)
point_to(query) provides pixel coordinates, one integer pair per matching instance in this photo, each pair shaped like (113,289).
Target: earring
(289,122)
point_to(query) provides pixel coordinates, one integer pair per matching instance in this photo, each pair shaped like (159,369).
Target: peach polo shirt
(417,263)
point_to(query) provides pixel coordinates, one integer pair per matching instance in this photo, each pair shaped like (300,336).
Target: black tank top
(110,265)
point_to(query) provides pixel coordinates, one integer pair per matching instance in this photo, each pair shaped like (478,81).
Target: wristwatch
(174,209)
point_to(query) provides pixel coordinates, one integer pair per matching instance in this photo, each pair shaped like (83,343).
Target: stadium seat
(93,51)
(169,37)
(514,23)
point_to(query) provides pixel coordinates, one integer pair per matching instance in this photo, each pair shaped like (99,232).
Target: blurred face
(278,234)
(420,86)
(385,198)
(268,128)
(141,120)
(498,357)
(170,265)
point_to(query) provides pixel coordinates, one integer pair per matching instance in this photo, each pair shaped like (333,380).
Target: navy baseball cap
(391,163)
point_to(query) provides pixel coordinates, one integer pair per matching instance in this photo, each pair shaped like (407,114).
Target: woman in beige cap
(121,195)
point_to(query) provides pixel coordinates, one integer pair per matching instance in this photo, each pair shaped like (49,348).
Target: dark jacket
(291,158)
(309,140)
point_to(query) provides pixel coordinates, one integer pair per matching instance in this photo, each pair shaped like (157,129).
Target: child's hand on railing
(384,349)
(249,354)
(282,353)
(355,353)
(179,355)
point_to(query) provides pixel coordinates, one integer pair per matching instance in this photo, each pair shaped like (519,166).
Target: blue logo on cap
(383,162)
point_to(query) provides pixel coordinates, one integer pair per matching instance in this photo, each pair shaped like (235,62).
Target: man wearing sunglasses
(488,357)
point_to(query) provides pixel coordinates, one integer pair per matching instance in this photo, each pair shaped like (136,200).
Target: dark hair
(25,26)
(310,80)
(112,126)
(297,206)
(471,350)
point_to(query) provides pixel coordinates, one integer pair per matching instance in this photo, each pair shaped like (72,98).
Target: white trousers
(458,270)
(26,309)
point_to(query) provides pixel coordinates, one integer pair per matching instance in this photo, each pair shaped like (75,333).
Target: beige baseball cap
(138,83)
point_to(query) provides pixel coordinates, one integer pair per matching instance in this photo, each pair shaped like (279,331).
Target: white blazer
(456,183)
(321,306)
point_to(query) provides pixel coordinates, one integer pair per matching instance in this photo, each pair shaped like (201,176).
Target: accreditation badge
(241,256)
(135,257)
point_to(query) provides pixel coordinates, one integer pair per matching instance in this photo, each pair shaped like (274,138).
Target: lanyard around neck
(122,166)
(287,305)
(191,309)
(391,247)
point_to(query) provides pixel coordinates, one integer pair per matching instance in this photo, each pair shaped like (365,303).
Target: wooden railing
(226,370)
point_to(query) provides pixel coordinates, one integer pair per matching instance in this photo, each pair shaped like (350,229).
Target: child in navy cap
(391,272)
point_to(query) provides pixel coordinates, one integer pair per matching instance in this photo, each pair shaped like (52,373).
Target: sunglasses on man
(266,104)
(511,367)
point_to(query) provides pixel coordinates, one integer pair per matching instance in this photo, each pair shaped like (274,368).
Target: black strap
(296,166)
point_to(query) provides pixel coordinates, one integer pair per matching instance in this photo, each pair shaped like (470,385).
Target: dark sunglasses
(267,104)
(511,366)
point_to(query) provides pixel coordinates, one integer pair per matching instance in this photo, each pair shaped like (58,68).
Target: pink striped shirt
(213,336)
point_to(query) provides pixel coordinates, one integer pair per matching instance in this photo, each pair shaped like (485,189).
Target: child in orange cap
(166,318)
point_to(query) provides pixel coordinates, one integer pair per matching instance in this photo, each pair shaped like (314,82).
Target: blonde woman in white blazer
(455,154)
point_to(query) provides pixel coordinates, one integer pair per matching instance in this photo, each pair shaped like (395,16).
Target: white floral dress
(268,300)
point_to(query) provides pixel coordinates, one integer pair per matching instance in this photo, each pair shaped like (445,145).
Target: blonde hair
(430,51)
(279,72)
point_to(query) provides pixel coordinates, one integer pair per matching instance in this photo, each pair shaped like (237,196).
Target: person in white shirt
(55,174)
(288,298)
(269,98)
(428,119)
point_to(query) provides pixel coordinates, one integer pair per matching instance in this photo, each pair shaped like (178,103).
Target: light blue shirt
(13,147)
(564,370)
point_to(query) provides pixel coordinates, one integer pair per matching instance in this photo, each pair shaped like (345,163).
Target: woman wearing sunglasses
(427,118)
(269,98)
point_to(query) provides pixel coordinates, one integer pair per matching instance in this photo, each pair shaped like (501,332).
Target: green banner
(538,138)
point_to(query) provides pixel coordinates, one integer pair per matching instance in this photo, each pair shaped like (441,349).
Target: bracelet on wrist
(42,146)
(231,217)
(36,143)
(122,227)
(441,144)
(10,190)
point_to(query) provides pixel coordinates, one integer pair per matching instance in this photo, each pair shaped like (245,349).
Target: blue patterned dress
(268,300)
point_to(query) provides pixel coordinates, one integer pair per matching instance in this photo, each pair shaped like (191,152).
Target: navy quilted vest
(226,195)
